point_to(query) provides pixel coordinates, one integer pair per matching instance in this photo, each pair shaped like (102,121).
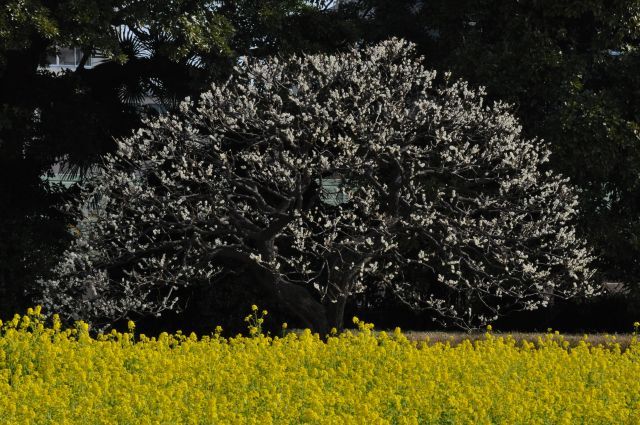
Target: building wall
(68,58)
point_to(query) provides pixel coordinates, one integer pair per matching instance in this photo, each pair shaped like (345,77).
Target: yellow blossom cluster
(50,375)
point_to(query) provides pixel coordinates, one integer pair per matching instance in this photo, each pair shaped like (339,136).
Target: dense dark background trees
(569,67)
(160,50)
(571,70)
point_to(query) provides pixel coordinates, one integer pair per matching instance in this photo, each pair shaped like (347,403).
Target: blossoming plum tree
(321,176)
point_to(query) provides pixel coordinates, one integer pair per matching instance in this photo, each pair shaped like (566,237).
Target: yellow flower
(284,325)
(375,377)
(131,325)
(56,323)
(489,328)
(254,307)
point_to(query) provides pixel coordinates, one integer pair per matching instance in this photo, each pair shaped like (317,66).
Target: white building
(68,58)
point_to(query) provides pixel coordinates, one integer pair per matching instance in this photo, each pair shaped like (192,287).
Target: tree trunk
(335,313)
(336,301)
(301,304)
(294,300)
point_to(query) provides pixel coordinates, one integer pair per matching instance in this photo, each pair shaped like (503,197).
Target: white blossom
(438,187)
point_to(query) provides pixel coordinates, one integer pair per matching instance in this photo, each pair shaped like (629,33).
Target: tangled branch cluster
(323,176)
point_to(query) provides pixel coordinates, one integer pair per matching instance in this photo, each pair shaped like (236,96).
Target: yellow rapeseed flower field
(50,375)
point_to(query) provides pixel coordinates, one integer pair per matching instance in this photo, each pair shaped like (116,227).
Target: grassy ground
(455,338)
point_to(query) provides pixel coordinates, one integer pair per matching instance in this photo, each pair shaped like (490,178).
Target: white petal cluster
(442,201)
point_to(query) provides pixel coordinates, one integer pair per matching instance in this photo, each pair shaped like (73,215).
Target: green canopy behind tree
(571,68)
(157,51)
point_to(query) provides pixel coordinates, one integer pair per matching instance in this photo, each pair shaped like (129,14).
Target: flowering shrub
(50,375)
(325,176)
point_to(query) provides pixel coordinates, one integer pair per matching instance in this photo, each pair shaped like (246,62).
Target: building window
(68,57)
(333,190)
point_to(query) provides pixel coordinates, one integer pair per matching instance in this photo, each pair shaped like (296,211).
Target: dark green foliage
(571,70)
(156,49)
(569,67)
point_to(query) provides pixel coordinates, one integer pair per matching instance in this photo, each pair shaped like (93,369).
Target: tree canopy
(321,176)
